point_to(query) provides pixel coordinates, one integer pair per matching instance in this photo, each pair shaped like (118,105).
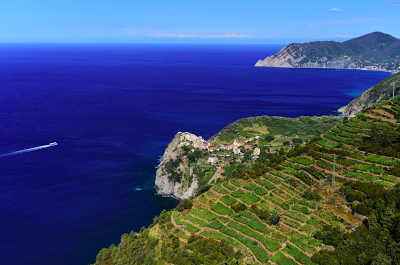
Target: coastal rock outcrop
(174,177)
(374,51)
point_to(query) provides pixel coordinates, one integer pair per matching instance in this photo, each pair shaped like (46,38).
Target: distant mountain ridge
(373,51)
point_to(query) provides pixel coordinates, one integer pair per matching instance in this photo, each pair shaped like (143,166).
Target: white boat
(53,144)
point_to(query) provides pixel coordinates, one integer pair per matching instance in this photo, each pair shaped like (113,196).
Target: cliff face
(373,95)
(297,55)
(374,51)
(165,185)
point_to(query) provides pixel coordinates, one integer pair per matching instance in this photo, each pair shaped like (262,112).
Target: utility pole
(334,168)
(394,84)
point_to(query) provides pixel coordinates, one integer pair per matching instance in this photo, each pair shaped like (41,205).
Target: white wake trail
(29,149)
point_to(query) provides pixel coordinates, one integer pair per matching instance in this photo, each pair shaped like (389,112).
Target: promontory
(373,51)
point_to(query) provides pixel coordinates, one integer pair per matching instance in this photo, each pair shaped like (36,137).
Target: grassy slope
(291,241)
(263,125)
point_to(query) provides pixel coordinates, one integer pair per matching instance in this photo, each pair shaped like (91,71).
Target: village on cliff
(197,142)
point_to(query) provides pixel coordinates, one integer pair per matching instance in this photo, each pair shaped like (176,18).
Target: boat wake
(30,149)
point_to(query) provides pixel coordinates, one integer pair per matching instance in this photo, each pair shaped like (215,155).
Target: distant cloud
(226,6)
(394,6)
(334,10)
(228,35)
(163,34)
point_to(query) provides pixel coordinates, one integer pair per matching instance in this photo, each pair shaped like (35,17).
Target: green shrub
(326,143)
(258,251)
(257,189)
(361,175)
(272,179)
(264,183)
(390,178)
(301,209)
(311,195)
(228,200)
(296,216)
(298,255)
(215,224)
(297,240)
(369,167)
(301,160)
(195,220)
(291,223)
(222,209)
(250,198)
(206,214)
(380,160)
(238,193)
(224,219)
(281,259)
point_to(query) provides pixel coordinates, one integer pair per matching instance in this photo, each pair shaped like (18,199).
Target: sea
(112,109)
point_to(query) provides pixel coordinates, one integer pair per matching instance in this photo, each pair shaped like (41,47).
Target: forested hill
(377,93)
(288,210)
(376,51)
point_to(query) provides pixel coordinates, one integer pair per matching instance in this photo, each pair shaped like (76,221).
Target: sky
(194,21)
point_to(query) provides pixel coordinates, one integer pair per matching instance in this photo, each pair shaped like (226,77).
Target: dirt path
(216,174)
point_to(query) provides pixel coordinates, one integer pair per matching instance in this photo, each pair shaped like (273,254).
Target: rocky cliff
(296,55)
(174,177)
(374,51)
(373,95)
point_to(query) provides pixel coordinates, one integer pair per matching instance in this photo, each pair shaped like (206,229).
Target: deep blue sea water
(113,109)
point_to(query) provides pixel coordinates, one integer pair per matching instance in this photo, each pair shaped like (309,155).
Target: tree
(387,218)
(269,138)
(382,259)
(372,221)
(363,259)
(275,218)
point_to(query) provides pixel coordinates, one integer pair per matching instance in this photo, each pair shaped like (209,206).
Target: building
(212,160)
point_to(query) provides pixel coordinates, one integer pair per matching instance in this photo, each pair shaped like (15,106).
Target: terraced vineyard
(272,213)
(240,211)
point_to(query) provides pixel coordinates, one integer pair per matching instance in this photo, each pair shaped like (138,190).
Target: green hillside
(373,48)
(285,211)
(373,51)
(379,92)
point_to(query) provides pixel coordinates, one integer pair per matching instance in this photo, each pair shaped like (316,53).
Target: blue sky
(191,21)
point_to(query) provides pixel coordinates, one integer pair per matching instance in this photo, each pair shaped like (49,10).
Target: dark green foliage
(203,189)
(383,142)
(198,153)
(238,207)
(315,173)
(330,235)
(171,168)
(138,249)
(261,213)
(311,195)
(187,204)
(275,218)
(269,138)
(306,179)
(374,242)
(395,170)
